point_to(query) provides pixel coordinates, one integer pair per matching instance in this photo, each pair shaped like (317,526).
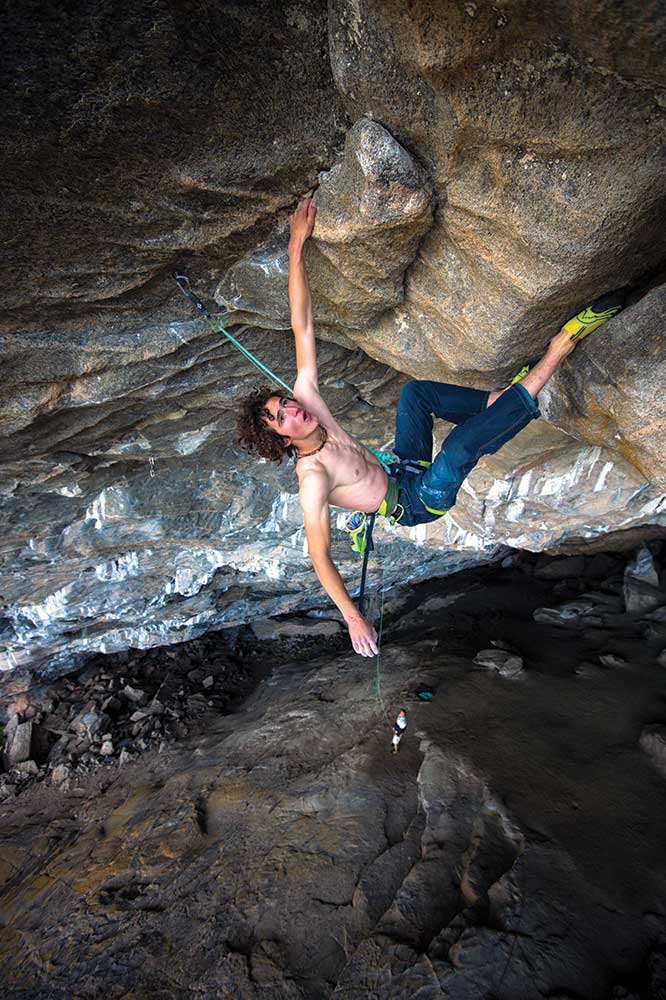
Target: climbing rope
(380,630)
(183,283)
(369,546)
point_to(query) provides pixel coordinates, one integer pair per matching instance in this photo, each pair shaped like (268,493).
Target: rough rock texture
(285,853)
(543,130)
(611,394)
(137,135)
(373,208)
(485,169)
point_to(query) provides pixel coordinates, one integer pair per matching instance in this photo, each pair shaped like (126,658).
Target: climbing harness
(356,524)
(183,283)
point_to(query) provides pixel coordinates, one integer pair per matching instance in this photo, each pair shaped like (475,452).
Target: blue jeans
(480,430)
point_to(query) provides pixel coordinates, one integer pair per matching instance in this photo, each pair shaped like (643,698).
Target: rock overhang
(495,175)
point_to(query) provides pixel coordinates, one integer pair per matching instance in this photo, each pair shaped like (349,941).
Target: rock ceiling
(483,171)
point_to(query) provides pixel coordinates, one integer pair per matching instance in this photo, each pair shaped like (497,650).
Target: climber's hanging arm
(314,486)
(300,300)
(313,495)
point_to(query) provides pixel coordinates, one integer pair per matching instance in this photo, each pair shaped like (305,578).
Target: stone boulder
(506,664)
(653,742)
(542,133)
(18,743)
(373,208)
(573,614)
(269,629)
(560,569)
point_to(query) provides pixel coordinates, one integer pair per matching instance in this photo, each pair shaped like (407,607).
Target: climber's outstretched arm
(314,489)
(300,300)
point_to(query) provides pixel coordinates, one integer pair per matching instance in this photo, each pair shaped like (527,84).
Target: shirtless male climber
(333,468)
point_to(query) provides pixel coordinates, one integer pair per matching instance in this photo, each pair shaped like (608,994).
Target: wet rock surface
(280,850)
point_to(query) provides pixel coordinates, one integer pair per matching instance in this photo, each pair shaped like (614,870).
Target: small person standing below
(399,727)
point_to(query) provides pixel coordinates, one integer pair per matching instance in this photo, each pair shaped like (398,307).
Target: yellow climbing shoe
(520,376)
(593,316)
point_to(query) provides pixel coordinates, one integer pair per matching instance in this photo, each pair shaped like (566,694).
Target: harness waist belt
(390,501)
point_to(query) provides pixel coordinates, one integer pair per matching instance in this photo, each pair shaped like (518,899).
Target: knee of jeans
(409,393)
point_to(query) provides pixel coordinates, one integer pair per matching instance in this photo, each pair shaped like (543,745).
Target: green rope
(378,674)
(183,283)
(380,632)
(264,369)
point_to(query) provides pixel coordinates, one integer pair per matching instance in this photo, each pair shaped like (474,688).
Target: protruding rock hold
(373,209)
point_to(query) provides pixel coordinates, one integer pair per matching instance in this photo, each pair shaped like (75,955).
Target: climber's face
(284,416)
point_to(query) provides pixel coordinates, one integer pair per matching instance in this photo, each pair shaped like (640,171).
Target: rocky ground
(512,849)
(118,707)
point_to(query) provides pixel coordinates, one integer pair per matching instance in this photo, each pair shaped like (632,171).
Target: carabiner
(183,283)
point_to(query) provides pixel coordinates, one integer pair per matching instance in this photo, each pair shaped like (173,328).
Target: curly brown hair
(253,434)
